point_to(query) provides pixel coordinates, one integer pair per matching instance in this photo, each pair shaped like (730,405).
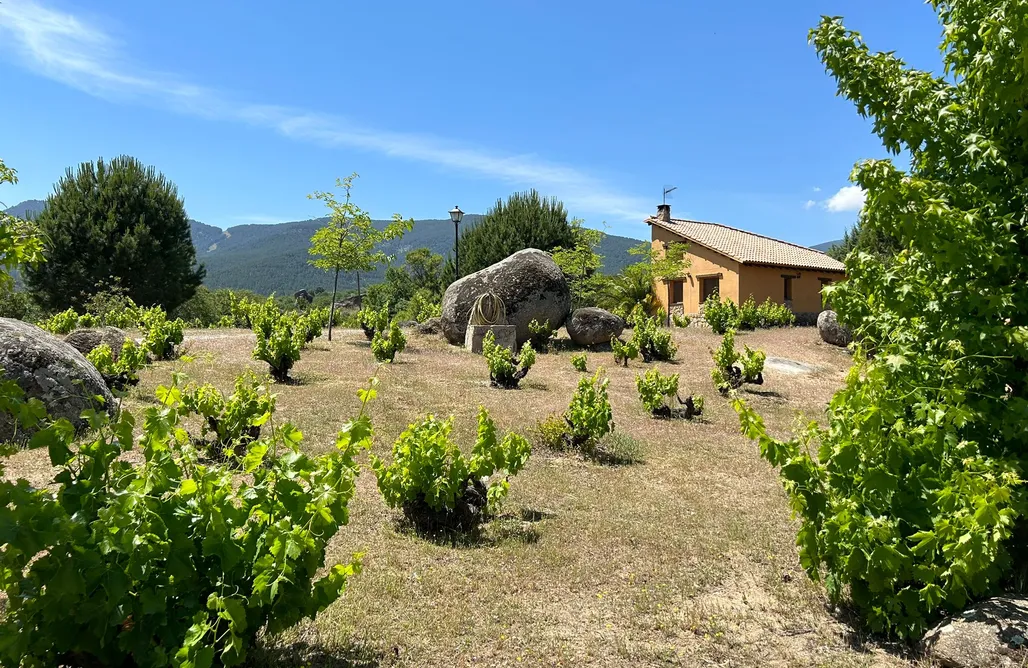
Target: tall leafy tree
(915,501)
(19,242)
(580,263)
(865,239)
(349,241)
(115,220)
(525,220)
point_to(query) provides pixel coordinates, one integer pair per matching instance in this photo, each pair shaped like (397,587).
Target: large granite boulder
(86,340)
(989,635)
(50,370)
(832,331)
(592,326)
(530,284)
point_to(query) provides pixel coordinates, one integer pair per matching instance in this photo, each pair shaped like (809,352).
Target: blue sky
(249,105)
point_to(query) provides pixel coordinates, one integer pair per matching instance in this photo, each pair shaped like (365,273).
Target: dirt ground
(686,558)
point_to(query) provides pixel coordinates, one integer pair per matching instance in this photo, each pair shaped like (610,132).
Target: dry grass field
(685,558)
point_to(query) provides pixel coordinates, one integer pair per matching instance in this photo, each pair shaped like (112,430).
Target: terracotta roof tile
(747,247)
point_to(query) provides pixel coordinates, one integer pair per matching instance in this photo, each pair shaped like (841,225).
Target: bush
(166,562)
(505,370)
(111,306)
(770,314)
(230,424)
(656,392)
(422,306)
(373,320)
(61,323)
(652,341)
(436,486)
(118,373)
(720,315)
(589,416)
(578,361)
(385,345)
(623,351)
(731,369)
(18,304)
(749,316)
(308,326)
(680,320)
(160,335)
(277,343)
(617,447)
(541,335)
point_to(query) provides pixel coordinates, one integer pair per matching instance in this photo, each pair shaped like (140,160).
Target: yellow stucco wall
(738,282)
(702,262)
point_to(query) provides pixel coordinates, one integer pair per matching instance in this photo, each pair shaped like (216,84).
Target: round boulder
(50,370)
(592,326)
(86,340)
(991,634)
(530,284)
(832,331)
(432,326)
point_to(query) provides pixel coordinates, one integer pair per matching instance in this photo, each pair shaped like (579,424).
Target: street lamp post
(456,215)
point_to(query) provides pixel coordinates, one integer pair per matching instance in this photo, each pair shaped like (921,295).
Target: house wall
(702,262)
(764,282)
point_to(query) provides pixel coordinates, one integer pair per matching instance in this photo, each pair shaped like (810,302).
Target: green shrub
(720,315)
(731,369)
(86,320)
(373,320)
(749,316)
(308,326)
(541,335)
(111,306)
(121,372)
(652,341)
(160,335)
(589,416)
(386,344)
(420,307)
(680,319)
(579,361)
(165,562)
(506,370)
(617,447)
(623,351)
(277,343)
(437,486)
(230,424)
(657,391)
(770,314)
(61,323)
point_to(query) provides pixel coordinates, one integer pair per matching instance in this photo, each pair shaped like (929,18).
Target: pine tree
(525,220)
(117,220)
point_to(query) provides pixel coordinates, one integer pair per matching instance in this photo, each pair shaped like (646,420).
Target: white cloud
(809,204)
(817,189)
(81,55)
(849,198)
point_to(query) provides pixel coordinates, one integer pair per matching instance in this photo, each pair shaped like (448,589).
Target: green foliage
(578,361)
(911,499)
(230,424)
(387,343)
(580,264)
(770,314)
(420,307)
(749,316)
(506,370)
(525,220)
(720,315)
(61,323)
(866,239)
(655,388)
(110,305)
(589,416)
(277,344)
(373,320)
(161,336)
(753,365)
(732,369)
(541,334)
(680,320)
(168,562)
(307,326)
(210,308)
(623,351)
(20,241)
(115,220)
(652,341)
(118,373)
(437,485)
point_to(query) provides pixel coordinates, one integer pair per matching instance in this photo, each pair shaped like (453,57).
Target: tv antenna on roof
(667,192)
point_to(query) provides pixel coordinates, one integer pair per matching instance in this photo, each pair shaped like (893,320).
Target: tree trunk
(332,311)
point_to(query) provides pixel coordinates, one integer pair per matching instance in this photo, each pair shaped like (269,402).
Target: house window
(677,292)
(788,290)
(708,286)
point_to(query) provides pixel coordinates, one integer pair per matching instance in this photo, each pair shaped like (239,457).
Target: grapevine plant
(373,320)
(232,423)
(160,335)
(437,486)
(732,369)
(652,341)
(587,420)
(623,351)
(168,562)
(657,391)
(911,498)
(579,362)
(541,335)
(386,343)
(118,373)
(506,370)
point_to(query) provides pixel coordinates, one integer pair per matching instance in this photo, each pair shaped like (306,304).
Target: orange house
(738,264)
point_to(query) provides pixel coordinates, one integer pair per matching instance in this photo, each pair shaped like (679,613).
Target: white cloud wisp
(849,198)
(70,50)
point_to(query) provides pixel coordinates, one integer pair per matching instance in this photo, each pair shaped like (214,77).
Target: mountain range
(274,258)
